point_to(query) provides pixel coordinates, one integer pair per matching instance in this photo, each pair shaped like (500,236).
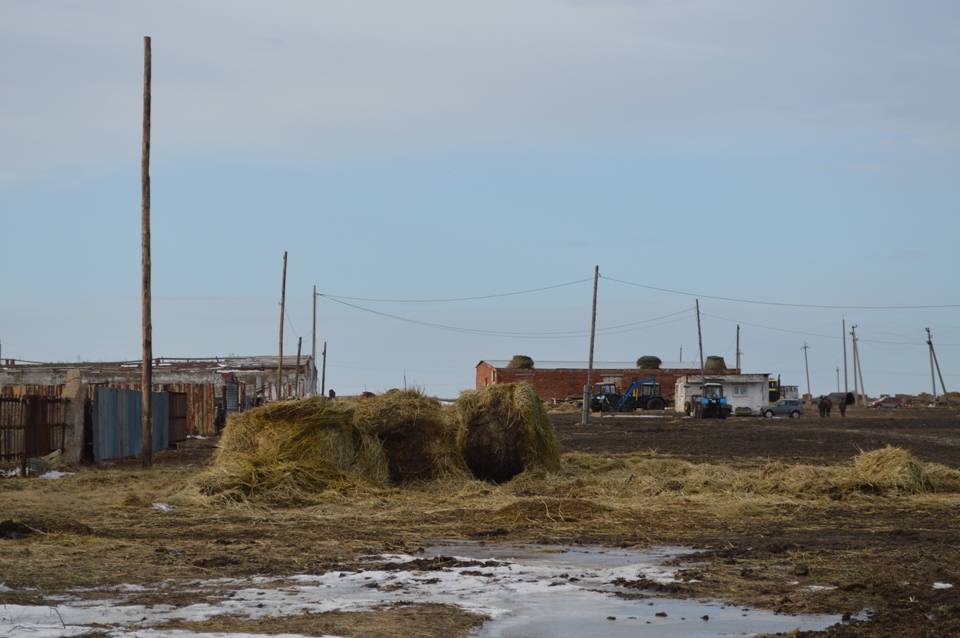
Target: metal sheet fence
(118,424)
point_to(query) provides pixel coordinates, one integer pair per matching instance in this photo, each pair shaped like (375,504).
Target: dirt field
(728,488)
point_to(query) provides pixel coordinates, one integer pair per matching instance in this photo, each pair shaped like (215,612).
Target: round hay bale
(504,429)
(520,362)
(286,449)
(715,363)
(649,362)
(418,442)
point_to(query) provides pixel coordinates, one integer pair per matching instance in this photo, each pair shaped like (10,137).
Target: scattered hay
(287,449)
(649,362)
(503,430)
(715,363)
(568,407)
(520,362)
(889,469)
(417,441)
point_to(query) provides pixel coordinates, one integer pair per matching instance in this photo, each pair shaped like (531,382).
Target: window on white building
(740,390)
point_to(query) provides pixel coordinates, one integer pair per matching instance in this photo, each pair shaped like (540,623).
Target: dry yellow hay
(649,362)
(889,469)
(286,449)
(715,363)
(504,430)
(520,362)
(418,442)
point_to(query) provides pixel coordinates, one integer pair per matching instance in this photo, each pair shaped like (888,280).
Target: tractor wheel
(655,404)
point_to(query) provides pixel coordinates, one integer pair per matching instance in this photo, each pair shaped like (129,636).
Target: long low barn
(560,380)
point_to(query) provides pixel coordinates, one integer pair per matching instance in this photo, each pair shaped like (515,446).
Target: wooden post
(283,299)
(296,384)
(593,330)
(700,342)
(313,349)
(323,379)
(147,380)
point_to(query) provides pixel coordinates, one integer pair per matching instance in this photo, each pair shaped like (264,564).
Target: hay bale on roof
(715,363)
(286,449)
(503,430)
(418,442)
(520,362)
(649,362)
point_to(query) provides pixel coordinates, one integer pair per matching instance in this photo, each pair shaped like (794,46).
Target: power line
(505,294)
(774,303)
(568,334)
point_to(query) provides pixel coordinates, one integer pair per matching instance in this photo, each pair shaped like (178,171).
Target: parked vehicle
(641,395)
(710,403)
(784,407)
(887,402)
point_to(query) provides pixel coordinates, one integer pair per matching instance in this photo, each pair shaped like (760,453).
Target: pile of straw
(520,362)
(715,363)
(889,469)
(503,430)
(286,449)
(418,442)
(649,362)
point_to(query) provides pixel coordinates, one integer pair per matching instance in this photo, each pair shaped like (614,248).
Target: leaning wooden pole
(585,416)
(283,300)
(146,457)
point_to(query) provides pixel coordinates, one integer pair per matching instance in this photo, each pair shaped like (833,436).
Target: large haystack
(503,430)
(417,442)
(520,362)
(285,449)
(649,362)
(715,363)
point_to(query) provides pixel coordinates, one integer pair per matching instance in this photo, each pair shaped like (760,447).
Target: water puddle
(528,591)
(561,592)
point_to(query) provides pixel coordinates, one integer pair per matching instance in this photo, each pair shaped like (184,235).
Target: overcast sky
(790,164)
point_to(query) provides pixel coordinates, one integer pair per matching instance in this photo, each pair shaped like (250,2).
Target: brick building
(559,380)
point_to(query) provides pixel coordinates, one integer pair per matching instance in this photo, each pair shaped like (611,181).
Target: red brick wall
(566,383)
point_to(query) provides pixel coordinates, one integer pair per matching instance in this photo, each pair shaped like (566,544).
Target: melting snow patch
(163,507)
(526,591)
(942,585)
(53,475)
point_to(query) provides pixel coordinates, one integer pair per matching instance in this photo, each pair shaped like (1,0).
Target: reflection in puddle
(558,592)
(527,591)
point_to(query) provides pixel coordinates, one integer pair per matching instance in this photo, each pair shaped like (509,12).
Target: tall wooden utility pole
(807,366)
(283,300)
(853,343)
(313,349)
(593,332)
(146,457)
(738,348)
(843,333)
(700,342)
(933,361)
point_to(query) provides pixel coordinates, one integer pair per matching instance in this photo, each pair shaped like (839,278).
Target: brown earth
(873,548)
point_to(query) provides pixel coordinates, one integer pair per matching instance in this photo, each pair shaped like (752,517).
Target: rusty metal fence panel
(118,423)
(32,426)
(13,425)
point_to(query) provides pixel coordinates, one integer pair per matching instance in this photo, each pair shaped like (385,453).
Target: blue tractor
(641,395)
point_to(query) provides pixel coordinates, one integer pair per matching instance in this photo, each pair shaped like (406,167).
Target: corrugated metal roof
(597,365)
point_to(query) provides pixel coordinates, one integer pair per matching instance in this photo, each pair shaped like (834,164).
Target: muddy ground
(881,552)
